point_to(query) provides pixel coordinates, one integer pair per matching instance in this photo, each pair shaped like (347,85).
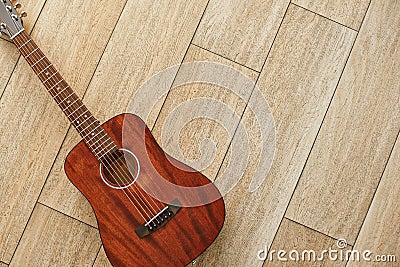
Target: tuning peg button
(17,5)
(23,14)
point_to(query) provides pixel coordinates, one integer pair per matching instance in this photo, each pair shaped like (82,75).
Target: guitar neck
(97,140)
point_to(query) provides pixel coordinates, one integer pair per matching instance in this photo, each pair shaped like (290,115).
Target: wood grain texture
(59,193)
(2,264)
(152,36)
(349,13)
(9,55)
(187,234)
(102,260)
(298,81)
(8,58)
(32,132)
(130,59)
(176,122)
(52,239)
(242,31)
(380,231)
(293,236)
(357,135)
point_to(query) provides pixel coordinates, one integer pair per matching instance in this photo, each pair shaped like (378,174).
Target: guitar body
(183,238)
(151,209)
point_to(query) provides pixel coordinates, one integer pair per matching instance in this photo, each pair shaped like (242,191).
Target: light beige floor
(328,69)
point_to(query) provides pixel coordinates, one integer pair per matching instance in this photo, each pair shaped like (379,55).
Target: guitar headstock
(10,19)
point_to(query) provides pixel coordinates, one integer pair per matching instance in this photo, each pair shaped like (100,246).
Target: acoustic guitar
(151,209)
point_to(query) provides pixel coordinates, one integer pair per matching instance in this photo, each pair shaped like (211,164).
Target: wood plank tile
(8,58)
(360,128)
(298,81)
(32,125)
(242,31)
(9,55)
(102,260)
(381,230)
(59,193)
(150,36)
(349,13)
(293,236)
(3,264)
(177,123)
(53,239)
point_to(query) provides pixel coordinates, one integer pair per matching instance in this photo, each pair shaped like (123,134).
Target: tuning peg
(23,14)
(17,5)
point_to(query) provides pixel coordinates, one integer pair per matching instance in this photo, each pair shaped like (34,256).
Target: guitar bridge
(160,219)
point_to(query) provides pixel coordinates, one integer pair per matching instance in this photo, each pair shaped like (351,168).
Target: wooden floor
(329,69)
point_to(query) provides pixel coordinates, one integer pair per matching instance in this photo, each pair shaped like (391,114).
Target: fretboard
(97,140)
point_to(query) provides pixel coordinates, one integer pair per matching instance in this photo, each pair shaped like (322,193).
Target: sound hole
(120,169)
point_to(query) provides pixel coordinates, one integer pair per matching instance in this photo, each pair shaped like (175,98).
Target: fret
(99,152)
(56,85)
(24,44)
(108,151)
(31,52)
(98,139)
(90,133)
(60,91)
(103,146)
(45,69)
(82,114)
(38,61)
(50,77)
(93,134)
(85,120)
(88,127)
(81,106)
(66,98)
(70,105)
(79,114)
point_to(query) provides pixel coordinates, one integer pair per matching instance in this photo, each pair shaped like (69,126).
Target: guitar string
(53,76)
(19,45)
(142,198)
(138,188)
(108,158)
(127,173)
(141,195)
(124,174)
(49,80)
(124,182)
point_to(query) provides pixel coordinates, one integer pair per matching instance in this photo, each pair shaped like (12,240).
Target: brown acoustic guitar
(151,209)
